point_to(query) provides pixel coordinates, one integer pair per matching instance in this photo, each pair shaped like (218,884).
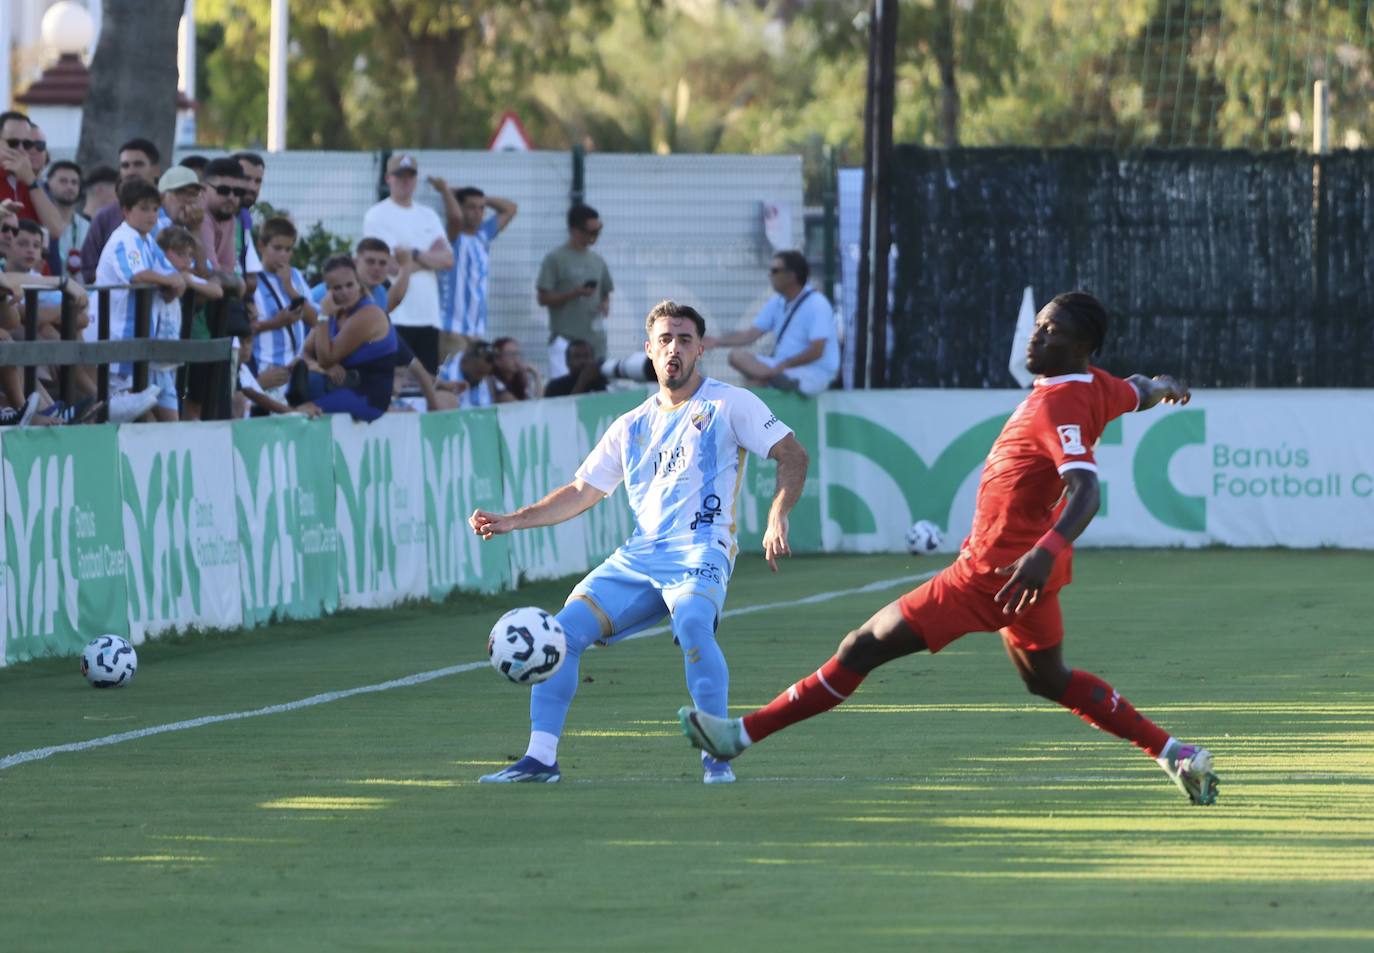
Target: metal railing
(141,349)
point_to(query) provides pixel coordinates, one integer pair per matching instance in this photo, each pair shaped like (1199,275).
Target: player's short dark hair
(196,163)
(580,214)
(467,192)
(1087,314)
(9,114)
(795,262)
(134,192)
(175,238)
(278,226)
(223,168)
(61,164)
(30,226)
(373,244)
(671,309)
(102,175)
(144,146)
(252,158)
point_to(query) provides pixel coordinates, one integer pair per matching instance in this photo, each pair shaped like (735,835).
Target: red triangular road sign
(510,135)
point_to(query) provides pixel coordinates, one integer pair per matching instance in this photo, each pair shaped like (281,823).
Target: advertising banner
(462,473)
(180,527)
(1237,468)
(379,510)
(539,453)
(610,522)
(284,487)
(64,558)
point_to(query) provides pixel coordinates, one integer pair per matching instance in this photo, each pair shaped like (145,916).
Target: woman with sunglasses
(356,348)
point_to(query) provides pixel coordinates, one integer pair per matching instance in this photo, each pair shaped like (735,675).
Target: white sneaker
(128,406)
(30,408)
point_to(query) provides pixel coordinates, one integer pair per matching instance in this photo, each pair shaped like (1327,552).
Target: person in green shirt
(575,285)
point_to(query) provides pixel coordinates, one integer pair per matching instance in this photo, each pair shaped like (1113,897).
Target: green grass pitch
(942,808)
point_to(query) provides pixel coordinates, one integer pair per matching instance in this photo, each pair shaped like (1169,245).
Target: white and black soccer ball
(923,538)
(109,662)
(527,645)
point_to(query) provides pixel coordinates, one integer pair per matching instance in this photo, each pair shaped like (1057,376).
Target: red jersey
(1054,430)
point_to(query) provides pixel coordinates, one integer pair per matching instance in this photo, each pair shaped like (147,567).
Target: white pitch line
(38,754)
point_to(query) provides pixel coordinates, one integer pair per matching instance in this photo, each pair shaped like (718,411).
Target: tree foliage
(789,75)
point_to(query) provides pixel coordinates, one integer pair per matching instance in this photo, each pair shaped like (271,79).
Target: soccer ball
(527,645)
(109,661)
(923,538)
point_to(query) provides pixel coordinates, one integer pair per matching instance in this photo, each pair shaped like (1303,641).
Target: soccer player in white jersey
(681,455)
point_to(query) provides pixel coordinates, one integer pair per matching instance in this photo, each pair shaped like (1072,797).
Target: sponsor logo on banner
(64,563)
(284,483)
(610,522)
(462,473)
(380,510)
(180,529)
(537,458)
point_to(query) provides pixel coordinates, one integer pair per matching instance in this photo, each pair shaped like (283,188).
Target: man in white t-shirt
(681,457)
(402,224)
(806,349)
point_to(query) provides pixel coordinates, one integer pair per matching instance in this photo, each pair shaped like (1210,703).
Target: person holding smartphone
(575,285)
(285,313)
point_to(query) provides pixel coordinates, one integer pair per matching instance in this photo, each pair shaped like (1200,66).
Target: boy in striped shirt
(285,313)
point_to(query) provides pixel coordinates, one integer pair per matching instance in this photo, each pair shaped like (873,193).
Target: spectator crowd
(402,324)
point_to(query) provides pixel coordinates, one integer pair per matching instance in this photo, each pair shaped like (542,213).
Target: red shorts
(960,600)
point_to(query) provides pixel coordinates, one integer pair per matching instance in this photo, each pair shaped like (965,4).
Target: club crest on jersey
(1071,437)
(700,420)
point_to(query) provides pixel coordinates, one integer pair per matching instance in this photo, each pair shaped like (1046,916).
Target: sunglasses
(593,231)
(26,143)
(9,230)
(228,190)
(776,271)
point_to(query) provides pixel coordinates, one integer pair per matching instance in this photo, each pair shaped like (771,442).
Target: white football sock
(543,747)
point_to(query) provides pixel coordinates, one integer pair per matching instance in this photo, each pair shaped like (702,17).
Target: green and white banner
(1236,468)
(380,510)
(462,473)
(284,484)
(539,453)
(64,558)
(180,528)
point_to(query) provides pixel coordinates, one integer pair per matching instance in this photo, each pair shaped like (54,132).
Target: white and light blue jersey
(463,288)
(480,394)
(126,254)
(278,347)
(683,466)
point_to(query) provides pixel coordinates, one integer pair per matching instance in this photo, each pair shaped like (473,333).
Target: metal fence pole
(30,334)
(579,176)
(828,237)
(143,316)
(102,371)
(66,373)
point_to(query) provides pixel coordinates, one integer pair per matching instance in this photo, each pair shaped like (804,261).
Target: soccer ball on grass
(527,645)
(109,661)
(923,538)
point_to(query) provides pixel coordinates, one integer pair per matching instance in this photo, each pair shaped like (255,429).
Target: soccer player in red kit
(1038,492)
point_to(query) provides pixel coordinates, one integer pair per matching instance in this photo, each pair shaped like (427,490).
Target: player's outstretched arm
(792,464)
(1030,573)
(1159,388)
(562,504)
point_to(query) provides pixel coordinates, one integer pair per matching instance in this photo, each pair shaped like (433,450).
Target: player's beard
(685,368)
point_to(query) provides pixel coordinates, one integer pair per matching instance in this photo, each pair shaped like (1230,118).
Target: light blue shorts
(632,591)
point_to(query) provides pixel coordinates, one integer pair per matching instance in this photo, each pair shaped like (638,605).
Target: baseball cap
(402,162)
(178,177)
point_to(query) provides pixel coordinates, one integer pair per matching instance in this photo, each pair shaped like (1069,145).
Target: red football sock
(1099,705)
(820,691)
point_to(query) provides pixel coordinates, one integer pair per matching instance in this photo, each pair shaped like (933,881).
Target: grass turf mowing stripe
(38,754)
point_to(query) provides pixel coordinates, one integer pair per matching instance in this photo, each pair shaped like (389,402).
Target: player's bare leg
(1044,673)
(884,637)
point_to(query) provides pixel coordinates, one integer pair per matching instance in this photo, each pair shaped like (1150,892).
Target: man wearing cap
(183,203)
(403,224)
